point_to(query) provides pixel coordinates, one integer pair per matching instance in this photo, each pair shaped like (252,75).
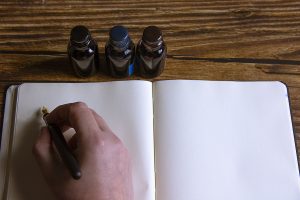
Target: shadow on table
(58,67)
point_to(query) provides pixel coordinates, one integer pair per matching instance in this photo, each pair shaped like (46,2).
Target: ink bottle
(151,53)
(83,52)
(119,52)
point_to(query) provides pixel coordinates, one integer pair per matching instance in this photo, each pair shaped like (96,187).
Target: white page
(224,140)
(127,108)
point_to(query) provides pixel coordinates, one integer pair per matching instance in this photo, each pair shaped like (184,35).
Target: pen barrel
(64,151)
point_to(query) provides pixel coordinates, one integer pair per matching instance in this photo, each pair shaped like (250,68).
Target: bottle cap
(80,36)
(152,36)
(118,37)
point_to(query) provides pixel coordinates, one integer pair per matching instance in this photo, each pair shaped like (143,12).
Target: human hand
(103,159)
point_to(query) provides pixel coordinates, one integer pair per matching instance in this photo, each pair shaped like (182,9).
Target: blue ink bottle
(83,52)
(151,53)
(119,52)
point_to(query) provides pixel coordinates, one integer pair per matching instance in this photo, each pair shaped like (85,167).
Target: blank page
(224,140)
(126,107)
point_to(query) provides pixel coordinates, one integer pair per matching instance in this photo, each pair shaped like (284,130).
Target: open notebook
(189,140)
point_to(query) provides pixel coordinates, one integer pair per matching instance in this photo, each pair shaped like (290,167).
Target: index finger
(78,116)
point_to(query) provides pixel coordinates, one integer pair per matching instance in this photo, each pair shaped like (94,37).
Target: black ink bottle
(119,52)
(83,52)
(151,53)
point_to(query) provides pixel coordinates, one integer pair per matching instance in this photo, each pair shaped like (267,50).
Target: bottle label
(131,69)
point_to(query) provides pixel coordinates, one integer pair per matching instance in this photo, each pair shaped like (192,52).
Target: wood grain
(213,40)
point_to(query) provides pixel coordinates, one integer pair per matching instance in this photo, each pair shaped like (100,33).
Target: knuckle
(95,137)
(119,145)
(76,108)
(78,105)
(109,143)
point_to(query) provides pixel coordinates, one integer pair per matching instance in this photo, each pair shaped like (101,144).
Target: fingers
(78,116)
(43,152)
(49,162)
(107,133)
(101,122)
(73,142)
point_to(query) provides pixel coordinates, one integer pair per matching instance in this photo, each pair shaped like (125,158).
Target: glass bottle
(83,52)
(119,52)
(151,53)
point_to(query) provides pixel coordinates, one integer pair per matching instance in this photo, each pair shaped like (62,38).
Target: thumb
(43,153)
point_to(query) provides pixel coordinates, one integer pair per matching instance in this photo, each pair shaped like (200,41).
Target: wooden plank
(213,29)
(56,68)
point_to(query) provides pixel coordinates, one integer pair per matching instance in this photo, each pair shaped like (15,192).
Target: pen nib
(44,110)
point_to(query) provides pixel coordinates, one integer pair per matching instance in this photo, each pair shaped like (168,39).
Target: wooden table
(211,40)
